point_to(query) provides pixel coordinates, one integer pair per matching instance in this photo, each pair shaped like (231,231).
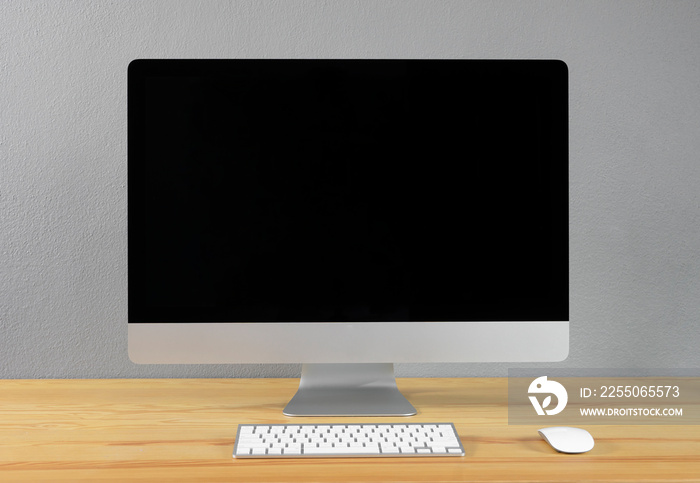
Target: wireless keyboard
(346,440)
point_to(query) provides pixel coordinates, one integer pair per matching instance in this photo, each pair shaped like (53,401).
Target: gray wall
(635,149)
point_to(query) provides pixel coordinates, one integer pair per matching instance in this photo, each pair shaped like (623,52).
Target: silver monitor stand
(348,390)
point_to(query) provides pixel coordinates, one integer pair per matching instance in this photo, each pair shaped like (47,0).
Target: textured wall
(635,169)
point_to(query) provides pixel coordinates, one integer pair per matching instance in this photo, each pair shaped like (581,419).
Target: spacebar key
(339,450)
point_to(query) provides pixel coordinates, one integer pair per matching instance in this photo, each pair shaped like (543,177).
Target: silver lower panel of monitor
(335,342)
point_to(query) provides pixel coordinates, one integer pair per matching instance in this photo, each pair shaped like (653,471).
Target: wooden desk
(184,429)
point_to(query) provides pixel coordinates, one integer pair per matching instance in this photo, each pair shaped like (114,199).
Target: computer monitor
(347,215)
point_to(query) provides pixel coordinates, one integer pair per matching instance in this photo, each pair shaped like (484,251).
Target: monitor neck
(348,390)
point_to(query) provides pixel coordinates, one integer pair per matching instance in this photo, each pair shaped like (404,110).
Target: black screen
(347,190)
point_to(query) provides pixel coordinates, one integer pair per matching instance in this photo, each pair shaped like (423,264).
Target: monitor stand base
(348,390)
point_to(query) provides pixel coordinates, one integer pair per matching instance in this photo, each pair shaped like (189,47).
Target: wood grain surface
(151,430)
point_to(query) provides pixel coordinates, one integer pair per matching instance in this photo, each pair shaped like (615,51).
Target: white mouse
(568,440)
